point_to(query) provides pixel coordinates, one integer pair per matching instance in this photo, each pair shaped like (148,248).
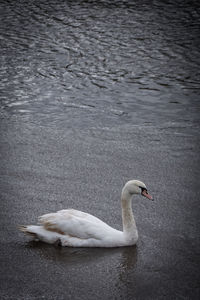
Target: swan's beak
(147,195)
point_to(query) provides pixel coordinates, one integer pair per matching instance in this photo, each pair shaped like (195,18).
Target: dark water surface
(94,93)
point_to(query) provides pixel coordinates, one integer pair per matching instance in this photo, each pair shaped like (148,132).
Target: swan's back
(76,224)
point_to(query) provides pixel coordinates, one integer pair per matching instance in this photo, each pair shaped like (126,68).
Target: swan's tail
(38,232)
(26,230)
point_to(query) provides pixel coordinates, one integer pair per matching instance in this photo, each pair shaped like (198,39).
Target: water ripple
(127,53)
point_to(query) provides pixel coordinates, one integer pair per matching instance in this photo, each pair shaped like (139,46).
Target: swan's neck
(129,225)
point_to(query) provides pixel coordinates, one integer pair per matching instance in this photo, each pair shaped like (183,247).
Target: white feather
(79,229)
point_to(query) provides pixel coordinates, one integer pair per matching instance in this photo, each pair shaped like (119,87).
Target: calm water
(94,93)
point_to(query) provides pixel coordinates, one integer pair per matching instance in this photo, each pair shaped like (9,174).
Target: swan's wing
(76,224)
(81,215)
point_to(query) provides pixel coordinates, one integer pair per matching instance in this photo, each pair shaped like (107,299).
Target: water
(101,60)
(94,93)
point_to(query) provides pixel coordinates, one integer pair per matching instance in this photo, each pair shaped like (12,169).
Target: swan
(74,228)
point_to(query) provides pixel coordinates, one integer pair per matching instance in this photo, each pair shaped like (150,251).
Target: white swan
(74,228)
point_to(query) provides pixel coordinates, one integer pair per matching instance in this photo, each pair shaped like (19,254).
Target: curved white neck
(129,225)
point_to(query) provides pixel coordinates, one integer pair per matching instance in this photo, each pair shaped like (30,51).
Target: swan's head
(137,187)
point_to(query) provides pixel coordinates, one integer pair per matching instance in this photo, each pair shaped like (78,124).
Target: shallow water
(94,93)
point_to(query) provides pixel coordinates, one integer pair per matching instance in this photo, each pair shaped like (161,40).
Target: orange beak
(147,195)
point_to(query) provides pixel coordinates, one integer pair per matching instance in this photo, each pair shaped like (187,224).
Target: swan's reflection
(112,266)
(124,257)
(129,257)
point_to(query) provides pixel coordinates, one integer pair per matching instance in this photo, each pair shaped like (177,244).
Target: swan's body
(74,228)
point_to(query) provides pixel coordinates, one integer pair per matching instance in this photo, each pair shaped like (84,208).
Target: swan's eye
(143,189)
(145,193)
